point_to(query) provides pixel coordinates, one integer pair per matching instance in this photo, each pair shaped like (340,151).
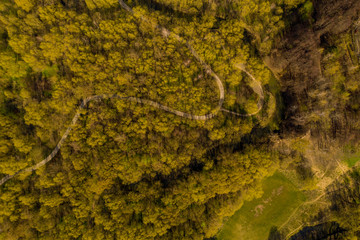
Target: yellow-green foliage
(341,68)
(92,4)
(27,5)
(191,6)
(127,171)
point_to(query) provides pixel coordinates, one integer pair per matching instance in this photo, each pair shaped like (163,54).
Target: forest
(129,170)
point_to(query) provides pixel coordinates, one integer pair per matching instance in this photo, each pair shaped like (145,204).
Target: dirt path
(255,85)
(341,172)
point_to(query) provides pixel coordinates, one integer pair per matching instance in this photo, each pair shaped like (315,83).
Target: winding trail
(255,85)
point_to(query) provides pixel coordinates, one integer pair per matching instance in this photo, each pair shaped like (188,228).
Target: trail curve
(77,115)
(256,86)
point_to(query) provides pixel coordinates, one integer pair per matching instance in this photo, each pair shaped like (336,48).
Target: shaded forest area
(129,171)
(318,63)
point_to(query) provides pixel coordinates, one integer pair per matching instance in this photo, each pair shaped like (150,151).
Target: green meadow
(254,220)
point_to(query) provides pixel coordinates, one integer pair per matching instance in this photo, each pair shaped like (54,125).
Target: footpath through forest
(254,84)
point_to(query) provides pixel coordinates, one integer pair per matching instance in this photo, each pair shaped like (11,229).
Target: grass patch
(352,160)
(351,155)
(274,89)
(254,220)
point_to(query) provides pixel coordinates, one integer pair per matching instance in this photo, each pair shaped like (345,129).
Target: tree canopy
(130,171)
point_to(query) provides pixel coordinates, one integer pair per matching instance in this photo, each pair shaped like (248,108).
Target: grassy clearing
(351,155)
(275,103)
(352,160)
(254,220)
